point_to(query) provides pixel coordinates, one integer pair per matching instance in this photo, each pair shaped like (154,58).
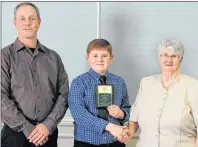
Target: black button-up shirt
(34,87)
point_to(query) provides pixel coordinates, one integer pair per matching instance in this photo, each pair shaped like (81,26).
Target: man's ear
(14,22)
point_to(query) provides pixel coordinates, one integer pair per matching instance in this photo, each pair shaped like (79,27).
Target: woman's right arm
(129,132)
(132,128)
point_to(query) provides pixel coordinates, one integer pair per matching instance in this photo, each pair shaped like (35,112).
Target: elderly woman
(166,107)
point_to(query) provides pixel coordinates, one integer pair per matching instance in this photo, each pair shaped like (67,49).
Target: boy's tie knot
(103,79)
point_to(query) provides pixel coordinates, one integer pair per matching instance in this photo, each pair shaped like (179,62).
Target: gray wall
(134,29)
(0,24)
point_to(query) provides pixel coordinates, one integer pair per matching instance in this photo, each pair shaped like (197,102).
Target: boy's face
(99,60)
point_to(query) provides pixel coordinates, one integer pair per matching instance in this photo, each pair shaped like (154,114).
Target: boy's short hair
(99,44)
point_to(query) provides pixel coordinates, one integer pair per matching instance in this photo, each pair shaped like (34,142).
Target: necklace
(170,82)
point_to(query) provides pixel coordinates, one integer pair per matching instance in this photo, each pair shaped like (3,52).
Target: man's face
(99,60)
(26,22)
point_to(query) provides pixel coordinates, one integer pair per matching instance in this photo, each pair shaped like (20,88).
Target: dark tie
(102,80)
(102,112)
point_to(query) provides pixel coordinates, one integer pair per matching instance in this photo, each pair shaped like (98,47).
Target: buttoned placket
(159,114)
(160,110)
(35,77)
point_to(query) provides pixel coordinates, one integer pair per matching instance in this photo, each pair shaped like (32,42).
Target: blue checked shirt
(82,103)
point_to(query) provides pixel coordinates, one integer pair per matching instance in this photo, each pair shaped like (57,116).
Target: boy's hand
(115,130)
(115,111)
(126,135)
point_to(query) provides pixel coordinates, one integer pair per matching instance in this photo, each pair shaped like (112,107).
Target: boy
(98,113)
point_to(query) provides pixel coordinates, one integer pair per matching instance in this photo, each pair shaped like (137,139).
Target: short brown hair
(27,4)
(99,44)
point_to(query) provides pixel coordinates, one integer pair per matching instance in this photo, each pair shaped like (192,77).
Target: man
(34,86)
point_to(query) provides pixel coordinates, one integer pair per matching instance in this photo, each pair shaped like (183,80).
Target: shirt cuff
(123,119)
(28,129)
(102,126)
(50,126)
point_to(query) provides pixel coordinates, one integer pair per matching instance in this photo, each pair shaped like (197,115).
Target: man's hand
(115,111)
(39,135)
(43,142)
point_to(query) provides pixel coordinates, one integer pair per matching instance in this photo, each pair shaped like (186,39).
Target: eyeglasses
(166,56)
(23,19)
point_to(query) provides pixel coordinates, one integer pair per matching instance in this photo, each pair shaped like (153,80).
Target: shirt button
(38,111)
(34,70)
(19,128)
(38,97)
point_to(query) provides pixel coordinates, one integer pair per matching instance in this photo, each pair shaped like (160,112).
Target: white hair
(174,45)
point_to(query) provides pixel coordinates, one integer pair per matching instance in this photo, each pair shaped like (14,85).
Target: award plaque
(104,96)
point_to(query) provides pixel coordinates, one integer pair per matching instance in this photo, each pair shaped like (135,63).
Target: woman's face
(169,60)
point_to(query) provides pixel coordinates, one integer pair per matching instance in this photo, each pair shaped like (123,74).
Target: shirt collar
(175,80)
(97,75)
(19,45)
